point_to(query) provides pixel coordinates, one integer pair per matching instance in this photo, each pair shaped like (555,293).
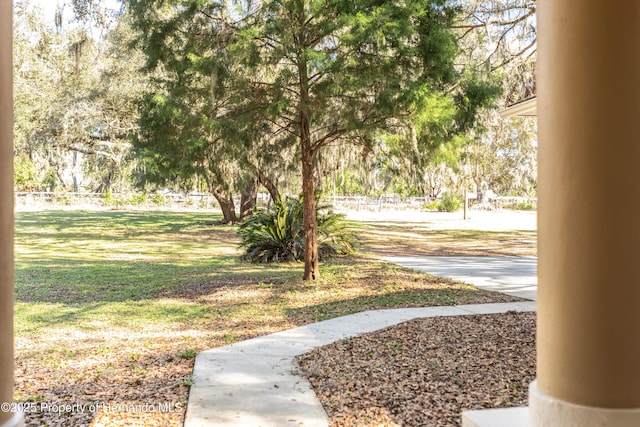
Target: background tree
(427,149)
(509,27)
(500,35)
(498,38)
(78,125)
(178,142)
(502,157)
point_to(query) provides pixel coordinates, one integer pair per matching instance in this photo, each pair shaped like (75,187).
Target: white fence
(207,201)
(391,201)
(396,202)
(116,200)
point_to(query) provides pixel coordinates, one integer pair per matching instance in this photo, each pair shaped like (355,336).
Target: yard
(112,306)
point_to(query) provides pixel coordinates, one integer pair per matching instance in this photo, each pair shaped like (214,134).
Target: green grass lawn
(112,305)
(96,269)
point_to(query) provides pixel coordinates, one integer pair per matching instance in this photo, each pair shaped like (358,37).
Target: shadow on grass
(173,280)
(107,225)
(83,281)
(74,257)
(62,220)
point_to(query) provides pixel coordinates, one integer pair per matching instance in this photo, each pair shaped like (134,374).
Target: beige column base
(547,411)
(16,420)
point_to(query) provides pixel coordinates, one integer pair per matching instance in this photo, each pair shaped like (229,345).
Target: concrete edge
(16,420)
(497,417)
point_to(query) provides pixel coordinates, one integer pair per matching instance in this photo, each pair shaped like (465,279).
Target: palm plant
(276,235)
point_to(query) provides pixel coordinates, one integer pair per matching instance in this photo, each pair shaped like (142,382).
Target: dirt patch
(392,240)
(409,233)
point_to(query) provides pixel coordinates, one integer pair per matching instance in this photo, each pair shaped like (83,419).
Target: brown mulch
(425,372)
(103,381)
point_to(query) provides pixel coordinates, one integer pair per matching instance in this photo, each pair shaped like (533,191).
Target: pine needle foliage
(305,73)
(276,235)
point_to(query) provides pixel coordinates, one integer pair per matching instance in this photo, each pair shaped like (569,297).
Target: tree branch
(516,55)
(496,22)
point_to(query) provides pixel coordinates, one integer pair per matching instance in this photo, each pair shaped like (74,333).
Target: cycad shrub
(276,234)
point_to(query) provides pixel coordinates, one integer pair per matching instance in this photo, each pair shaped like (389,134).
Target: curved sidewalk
(255,383)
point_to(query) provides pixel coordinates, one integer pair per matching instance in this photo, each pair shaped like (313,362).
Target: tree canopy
(298,71)
(84,108)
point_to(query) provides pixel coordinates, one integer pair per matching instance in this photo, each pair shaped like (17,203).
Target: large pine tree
(311,71)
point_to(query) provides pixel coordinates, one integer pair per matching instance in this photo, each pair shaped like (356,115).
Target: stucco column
(7,419)
(589,214)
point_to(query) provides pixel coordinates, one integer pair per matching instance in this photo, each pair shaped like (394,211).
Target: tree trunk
(479,191)
(270,186)
(73,172)
(228,210)
(307,153)
(226,205)
(248,199)
(309,223)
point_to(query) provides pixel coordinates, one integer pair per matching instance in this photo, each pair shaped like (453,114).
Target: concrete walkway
(254,383)
(511,275)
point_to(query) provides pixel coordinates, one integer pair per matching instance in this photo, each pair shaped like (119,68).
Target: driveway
(512,275)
